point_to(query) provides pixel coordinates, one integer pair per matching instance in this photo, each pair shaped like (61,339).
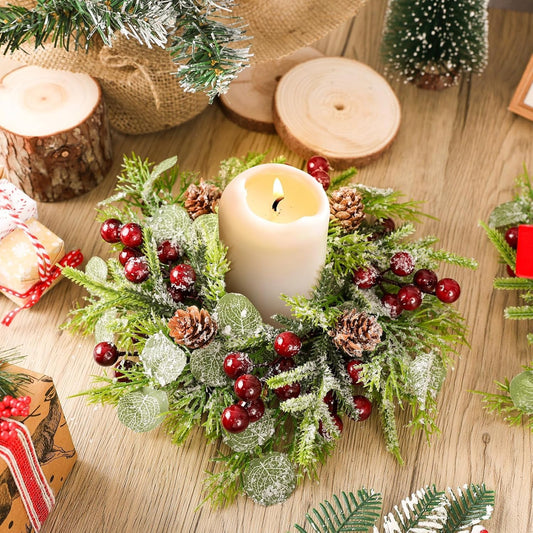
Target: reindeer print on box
(53,446)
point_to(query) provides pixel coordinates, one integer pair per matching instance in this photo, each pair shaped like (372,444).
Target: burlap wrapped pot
(141,92)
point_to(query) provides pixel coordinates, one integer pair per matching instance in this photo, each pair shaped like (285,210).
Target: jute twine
(140,90)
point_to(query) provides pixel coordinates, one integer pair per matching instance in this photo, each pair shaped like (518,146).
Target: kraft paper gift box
(23,206)
(19,269)
(53,446)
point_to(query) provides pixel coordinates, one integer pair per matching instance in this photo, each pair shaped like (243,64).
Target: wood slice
(338,108)
(55,141)
(250,98)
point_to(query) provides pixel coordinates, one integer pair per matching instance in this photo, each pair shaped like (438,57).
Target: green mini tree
(431,43)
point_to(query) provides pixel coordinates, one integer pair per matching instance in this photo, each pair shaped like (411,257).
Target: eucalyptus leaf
(256,434)
(207,365)
(509,214)
(521,390)
(163,359)
(96,269)
(142,410)
(170,223)
(237,317)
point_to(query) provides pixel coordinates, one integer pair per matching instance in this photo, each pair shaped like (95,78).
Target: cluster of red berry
(511,237)
(318,167)
(107,354)
(9,407)
(182,277)
(409,295)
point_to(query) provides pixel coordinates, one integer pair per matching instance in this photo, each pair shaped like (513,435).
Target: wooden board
(338,108)
(458,151)
(250,98)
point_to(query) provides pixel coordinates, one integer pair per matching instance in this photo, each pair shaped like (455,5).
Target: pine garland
(11,383)
(426,511)
(199,34)
(406,368)
(515,400)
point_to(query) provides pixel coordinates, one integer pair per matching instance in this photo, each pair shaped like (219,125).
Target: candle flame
(277,189)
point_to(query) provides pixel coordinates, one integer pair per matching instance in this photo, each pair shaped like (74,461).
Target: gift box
(19,264)
(53,446)
(14,201)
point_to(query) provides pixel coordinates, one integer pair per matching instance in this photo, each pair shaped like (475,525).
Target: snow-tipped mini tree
(431,43)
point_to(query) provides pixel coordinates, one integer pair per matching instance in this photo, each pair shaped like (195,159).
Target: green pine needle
(12,383)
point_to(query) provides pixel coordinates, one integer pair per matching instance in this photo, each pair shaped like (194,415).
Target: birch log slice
(338,108)
(250,97)
(55,141)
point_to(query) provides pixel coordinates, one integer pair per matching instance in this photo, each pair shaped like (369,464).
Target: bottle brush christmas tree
(431,43)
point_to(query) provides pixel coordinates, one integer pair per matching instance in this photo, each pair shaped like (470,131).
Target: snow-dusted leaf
(206,228)
(509,214)
(521,390)
(171,222)
(207,364)
(425,376)
(162,167)
(256,434)
(237,317)
(102,330)
(96,268)
(269,479)
(142,410)
(163,359)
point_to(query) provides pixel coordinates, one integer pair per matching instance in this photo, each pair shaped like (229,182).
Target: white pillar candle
(276,238)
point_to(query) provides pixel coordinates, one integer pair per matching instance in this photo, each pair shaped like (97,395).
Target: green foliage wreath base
(407,368)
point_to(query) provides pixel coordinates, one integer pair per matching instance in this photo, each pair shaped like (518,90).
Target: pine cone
(356,332)
(192,327)
(346,206)
(201,199)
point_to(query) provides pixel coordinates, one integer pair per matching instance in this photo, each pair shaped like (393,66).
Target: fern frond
(472,504)
(498,240)
(519,313)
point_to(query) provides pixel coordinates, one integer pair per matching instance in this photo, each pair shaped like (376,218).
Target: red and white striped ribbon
(43,259)
(21,458)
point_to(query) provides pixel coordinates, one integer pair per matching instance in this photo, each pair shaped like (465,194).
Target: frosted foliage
(163,360)
(96,269)
(207,365)
(141,410)
(256,434)
(237,317)
(425,376)
(521,390)
(511,213)
(102,329)
(206,228)
(171,222)
(269,479)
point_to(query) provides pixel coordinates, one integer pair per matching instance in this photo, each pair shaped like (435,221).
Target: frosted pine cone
(192,327)
(201,199)
(346,206)
(356,332)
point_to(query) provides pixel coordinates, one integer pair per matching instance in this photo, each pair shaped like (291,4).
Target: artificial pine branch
(11,383)
(468,506)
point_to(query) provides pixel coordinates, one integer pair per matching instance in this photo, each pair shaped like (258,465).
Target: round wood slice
(55,141)
(338,108)
(250,97)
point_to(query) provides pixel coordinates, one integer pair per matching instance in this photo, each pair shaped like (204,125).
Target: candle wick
(276,203)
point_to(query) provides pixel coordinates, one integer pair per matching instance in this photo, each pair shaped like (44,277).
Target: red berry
(125,364)
(127,253)
(13,402)
(365,277)
(363,406)
(425,280)
(4,435)
(131,235)
(15,412)
(236,364)
(136,270)
(336,420)
(176,294)
(402,263)
(331,401)
(388,225)
(235,418)
(317,162)
(24,412)
(7,400)
(105,354)
(322,177)
(287,344)
(168,252)
(410,297)
(448,290)
(110,230)
(247,387)
(510,271)
(511,236)
(392,304)
(255,409)
(6,413)
(183,277)
(288,391)
(282,364)
(354,370)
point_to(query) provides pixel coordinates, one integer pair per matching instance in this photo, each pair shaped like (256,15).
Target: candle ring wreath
(377,331)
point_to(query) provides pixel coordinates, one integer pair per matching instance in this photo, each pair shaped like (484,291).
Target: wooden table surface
(459,151)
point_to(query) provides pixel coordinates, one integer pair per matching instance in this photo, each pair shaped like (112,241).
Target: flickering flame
(277,191)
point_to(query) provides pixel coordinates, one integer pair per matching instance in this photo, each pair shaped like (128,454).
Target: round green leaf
(96,268)
(237,317)
(163,360)
(142,410)
(102,330)
(256,434)
(171,222)
(207,365)
(521,390)
(269,479)
(206,227)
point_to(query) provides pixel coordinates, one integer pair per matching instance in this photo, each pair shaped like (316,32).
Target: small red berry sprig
(107,354)
(10,407)
(182,276)
(318,167)
(410,294)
